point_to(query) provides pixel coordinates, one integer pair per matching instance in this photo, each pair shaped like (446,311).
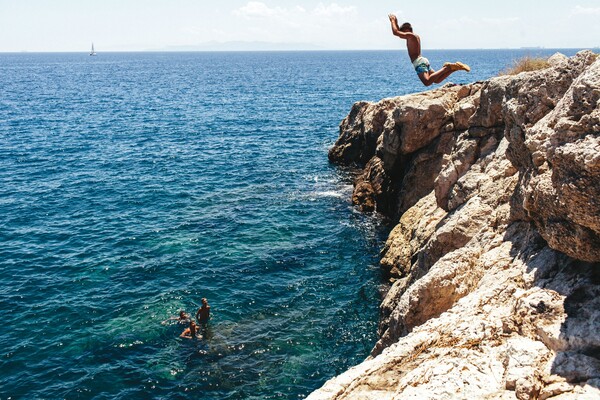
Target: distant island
(241,46)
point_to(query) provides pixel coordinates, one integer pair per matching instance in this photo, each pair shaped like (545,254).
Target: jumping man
(421,64)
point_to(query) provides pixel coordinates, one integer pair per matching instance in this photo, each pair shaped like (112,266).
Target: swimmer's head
(406,27)
(204,301)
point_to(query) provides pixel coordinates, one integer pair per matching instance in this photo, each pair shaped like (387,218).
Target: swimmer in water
(191,332)
(183,318)
(203,313)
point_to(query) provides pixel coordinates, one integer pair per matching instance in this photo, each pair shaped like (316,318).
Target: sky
(146,25)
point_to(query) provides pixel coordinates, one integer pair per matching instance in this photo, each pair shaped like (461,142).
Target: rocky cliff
(495,258)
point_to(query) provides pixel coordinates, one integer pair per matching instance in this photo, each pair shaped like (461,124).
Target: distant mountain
(241,46)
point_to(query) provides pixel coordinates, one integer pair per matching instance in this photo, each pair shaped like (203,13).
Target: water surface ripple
(132,185)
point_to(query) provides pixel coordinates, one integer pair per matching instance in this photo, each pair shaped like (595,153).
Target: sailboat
(92,53)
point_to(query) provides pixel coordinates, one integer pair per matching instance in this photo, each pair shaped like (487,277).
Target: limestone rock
(359,132)
(495,258)
(562,191)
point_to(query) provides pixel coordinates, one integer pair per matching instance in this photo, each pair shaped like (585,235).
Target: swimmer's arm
(186,334)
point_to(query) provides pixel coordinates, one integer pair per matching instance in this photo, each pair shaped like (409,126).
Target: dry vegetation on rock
(526,64)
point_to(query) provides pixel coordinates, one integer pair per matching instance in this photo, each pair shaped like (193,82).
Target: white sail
(92,53)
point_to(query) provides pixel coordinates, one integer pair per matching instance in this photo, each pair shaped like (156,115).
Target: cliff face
(495,259)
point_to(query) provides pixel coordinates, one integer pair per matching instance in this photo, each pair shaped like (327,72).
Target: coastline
(497,247)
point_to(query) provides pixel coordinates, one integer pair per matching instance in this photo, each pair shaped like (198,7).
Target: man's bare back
(413,44)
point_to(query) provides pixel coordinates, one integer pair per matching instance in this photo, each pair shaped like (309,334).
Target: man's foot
(458,66)
(463,66)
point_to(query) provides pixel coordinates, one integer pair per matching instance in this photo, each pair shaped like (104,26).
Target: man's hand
(394,21)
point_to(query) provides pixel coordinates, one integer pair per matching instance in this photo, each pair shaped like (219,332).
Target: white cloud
(318,25)
(334,10)
(579,10)
(257,9)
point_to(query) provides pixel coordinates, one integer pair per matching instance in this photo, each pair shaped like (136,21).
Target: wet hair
(406,27)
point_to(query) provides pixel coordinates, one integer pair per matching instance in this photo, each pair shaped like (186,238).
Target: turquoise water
(134,184)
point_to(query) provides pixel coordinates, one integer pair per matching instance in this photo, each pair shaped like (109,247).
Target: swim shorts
(421,65)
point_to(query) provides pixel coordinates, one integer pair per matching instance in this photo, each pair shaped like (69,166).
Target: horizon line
(291,50)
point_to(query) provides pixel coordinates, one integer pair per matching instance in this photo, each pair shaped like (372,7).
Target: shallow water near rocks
(134,184)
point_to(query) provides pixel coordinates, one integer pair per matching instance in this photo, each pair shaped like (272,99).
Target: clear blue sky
(115,25)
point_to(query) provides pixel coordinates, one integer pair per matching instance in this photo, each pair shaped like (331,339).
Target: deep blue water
(134,184)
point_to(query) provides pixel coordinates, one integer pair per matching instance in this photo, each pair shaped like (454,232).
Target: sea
(132,185)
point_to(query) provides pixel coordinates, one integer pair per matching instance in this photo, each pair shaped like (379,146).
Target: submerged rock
(494,262)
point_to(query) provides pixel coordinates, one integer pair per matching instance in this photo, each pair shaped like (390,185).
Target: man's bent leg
(425,77)
(439,76)
(430,77)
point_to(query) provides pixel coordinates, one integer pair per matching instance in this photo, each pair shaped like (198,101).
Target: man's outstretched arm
(396,29)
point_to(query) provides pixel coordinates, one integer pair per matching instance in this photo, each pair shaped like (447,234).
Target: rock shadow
(575,285)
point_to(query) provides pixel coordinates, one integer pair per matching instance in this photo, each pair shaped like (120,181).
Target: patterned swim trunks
(421,65)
